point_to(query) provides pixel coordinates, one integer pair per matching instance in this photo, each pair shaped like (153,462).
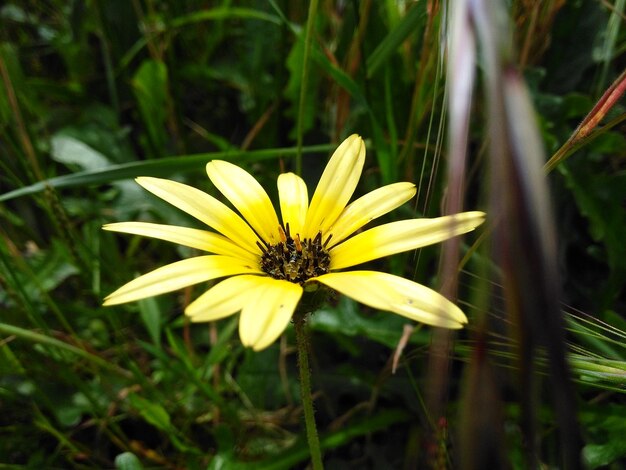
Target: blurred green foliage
(95,92)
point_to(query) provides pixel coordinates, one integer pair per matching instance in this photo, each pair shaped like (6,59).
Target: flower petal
(178,275)
(267,312)
(204,208)
(400,236)
(248,197)
(294,202)
(336,186)
(369,207)
(398,295)
(223,299)
(191,237)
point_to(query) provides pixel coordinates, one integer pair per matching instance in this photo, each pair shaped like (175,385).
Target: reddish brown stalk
(27,144)
(609,99)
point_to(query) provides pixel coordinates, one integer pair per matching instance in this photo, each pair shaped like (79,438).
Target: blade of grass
(38,338)
(411,22)
(161,167)
(524,236)
(223,13)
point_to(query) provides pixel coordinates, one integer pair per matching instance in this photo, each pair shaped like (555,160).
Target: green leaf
(600,199)
(576,105)
(157,415)
(599,455)
(224,459)
(385,328)
(606,428)
(127,461)
(47,270)
(150,312)
(71,151)
(259,378)
(152,412)
(98,128)
(150,88)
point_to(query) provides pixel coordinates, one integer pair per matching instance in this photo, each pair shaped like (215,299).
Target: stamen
(294,259)
(296,241)
(281,232)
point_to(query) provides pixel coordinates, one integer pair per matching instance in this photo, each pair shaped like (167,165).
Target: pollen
(294,259)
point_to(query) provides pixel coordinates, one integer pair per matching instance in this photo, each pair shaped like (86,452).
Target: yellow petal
(400,236)
(336,186)
(204,208)
(223,299)
(248,197)
(398,295)
(369,207)
(267,312)
(178,275)
(294,201)
(191,237)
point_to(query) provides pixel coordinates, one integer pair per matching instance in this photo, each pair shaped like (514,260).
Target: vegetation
(94,93)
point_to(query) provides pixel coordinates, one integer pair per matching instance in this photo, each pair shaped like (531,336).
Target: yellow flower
(268,265)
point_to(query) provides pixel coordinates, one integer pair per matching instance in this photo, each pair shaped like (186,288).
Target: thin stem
(302,341)
(308,38)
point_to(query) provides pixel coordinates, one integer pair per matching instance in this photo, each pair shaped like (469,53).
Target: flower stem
(302,341)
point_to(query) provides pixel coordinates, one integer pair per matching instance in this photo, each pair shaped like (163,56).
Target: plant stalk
(302,341)
(308,39)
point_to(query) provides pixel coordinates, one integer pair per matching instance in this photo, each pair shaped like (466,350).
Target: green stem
(302,341)
(308,38)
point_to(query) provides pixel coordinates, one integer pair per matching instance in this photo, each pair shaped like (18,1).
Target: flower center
(295,260)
